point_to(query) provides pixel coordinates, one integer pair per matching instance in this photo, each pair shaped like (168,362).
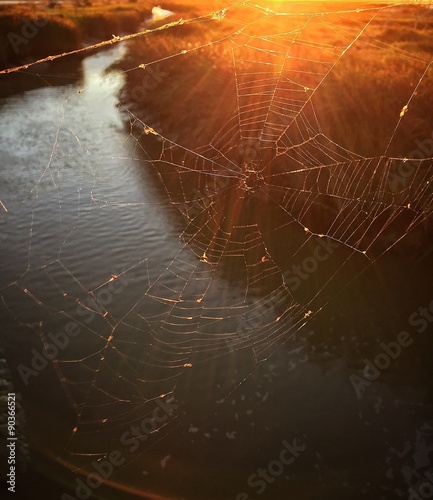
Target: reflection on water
(90,239)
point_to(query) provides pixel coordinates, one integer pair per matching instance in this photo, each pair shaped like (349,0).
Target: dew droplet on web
(403,111)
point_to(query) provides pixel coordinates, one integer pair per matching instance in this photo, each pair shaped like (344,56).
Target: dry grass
(65,28)
(358,103)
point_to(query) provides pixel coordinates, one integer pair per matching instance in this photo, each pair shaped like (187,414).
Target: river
(89,237)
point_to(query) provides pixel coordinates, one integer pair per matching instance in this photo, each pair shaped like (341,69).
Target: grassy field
(352,74)
(358,102)
(350,70)
(371,80)
(30,32)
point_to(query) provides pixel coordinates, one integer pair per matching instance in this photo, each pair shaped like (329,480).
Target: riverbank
(196,70)
(32,32)
(228,83)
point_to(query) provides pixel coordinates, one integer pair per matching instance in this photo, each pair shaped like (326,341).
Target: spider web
(253,178)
